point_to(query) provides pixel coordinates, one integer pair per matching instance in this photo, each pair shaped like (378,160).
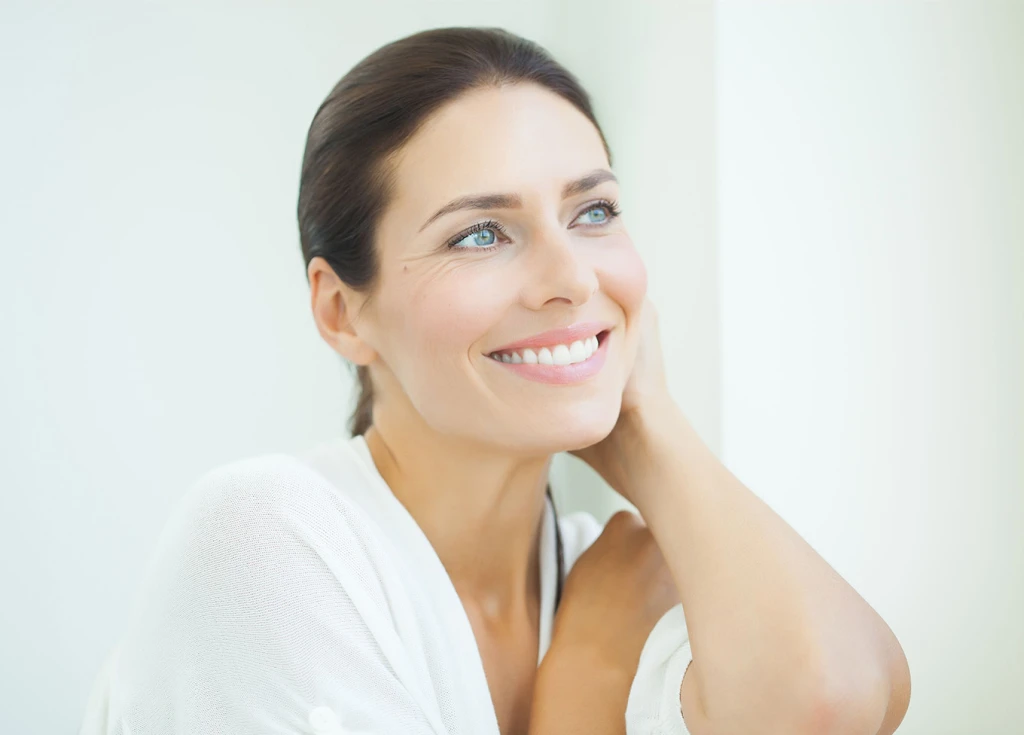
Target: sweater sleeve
(653,706)
(262,612)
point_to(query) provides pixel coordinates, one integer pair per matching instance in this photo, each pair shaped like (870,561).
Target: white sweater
(296,594)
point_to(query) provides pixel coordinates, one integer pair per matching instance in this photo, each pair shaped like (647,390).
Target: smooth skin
(780,642)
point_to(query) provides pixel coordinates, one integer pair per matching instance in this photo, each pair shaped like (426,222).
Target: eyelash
(611,205)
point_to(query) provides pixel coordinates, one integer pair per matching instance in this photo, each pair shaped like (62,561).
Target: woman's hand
(614,595)
(644,397)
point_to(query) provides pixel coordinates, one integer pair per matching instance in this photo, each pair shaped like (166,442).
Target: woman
(465,250)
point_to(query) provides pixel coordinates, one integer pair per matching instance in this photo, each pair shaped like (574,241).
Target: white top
(296,594)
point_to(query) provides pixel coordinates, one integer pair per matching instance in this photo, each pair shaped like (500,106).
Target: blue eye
(598,209)
(481,236)
(489,230)
(610,209)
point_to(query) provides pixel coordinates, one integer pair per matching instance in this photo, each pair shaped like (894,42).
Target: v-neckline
(415,541)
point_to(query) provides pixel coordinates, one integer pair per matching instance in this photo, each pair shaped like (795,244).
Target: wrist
(650,422)
(645,433)
(652,438)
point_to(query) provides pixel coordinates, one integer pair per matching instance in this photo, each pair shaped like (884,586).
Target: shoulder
(265,493)
(257,485)
(265,594)
(261,520)
(263,544)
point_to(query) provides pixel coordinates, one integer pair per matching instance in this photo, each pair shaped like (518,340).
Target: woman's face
(449,297)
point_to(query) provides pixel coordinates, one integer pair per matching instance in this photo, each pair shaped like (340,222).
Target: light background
(829,198)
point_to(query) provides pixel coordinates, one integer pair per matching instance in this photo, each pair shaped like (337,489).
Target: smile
(559,363)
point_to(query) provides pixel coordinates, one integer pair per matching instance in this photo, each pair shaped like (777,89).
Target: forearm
(780,642)
(575,694)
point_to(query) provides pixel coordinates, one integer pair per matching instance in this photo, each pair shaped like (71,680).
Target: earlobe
(354,349)
(333,303)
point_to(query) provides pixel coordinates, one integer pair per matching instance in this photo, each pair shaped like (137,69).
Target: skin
(466,445)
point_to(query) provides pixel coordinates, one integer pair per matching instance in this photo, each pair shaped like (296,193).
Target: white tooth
(506,358)
(560,355)
(544,356)
(594,342)
(516,359)
(588,346)
(529,357)
(577,352)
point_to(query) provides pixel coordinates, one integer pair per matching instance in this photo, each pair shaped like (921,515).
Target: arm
(617,639)
(781,643)
(575,694)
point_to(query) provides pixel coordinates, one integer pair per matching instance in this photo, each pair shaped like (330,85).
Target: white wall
(871,190)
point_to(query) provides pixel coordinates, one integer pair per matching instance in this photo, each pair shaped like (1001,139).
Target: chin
(585,428)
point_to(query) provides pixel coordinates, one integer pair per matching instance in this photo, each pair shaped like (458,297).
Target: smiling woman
(493,322)
(465,251)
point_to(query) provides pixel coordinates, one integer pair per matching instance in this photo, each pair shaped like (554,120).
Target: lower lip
(562,374)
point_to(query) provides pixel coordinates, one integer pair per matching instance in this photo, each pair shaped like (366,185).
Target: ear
(334,305)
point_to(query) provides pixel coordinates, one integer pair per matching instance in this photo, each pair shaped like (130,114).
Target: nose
(558,270)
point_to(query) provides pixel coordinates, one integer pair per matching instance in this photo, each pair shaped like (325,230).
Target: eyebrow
(514,201)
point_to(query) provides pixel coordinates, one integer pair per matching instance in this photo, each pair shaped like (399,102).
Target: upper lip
(564,336)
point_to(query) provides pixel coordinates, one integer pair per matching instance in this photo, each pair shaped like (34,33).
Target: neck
(480,508)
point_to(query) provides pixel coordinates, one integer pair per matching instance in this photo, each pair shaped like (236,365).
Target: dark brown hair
(347,177)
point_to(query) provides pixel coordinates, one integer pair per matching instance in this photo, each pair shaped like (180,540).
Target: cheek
(624,277)
(438,321)
(436,326)
(454,320)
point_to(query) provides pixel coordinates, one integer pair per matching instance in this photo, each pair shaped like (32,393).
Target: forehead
(521,138)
